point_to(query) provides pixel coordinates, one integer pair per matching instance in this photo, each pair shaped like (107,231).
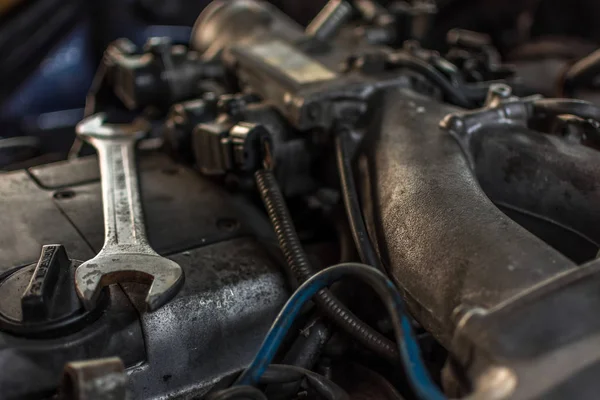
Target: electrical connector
(223,147)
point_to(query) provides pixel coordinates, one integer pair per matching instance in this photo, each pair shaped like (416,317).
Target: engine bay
(343,210)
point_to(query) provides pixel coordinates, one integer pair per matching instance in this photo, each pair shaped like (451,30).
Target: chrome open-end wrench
(126,255)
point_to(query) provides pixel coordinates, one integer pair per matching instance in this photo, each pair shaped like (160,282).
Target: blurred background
(50,50)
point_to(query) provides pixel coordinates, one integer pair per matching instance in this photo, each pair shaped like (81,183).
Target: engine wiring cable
(298,263)
(364,245)
(552,107)
(420,381)
(454,94)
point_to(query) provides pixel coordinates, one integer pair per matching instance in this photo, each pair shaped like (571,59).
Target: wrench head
(95,126)
(164,276)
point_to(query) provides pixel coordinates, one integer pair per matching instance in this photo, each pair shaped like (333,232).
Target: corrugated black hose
(298,263)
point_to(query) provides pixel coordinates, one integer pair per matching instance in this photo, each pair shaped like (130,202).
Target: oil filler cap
(39,300)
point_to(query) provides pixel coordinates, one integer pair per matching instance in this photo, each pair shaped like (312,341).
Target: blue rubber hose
(422,384)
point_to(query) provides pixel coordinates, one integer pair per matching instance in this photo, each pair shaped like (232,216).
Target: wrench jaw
(87,283)
(164,276)
(165,286)
(95,127)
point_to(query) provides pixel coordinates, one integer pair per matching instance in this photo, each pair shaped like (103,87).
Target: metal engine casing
(450,220)
(212,328)
(515,313)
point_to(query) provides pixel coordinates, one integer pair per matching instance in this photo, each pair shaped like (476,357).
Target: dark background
(49,49)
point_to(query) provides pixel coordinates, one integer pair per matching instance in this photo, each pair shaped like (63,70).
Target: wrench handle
(124,227)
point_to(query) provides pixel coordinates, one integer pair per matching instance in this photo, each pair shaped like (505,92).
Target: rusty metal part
(126,255)
(98,379)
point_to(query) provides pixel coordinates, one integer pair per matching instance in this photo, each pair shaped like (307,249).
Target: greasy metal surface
(214,325)
(193,339)
(126,255)
(31,220)
(39,300)
(36,299)
(223,22)
(32,367)
(546,182)
(549,338)
(443,239)
(182,209)
(298,67)
(81,171)
(517,316)
(546,177)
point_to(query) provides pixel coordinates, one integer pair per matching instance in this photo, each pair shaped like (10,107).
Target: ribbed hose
(298,263)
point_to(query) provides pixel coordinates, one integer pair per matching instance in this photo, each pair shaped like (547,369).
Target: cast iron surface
(61,203)
(214,325)
(546,177)
(548,337)
(445,241)
(34,221)
(211,328)
(33,367)
(182,210)
(513,310)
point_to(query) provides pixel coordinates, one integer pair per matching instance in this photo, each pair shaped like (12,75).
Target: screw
(64,194)
(227,224)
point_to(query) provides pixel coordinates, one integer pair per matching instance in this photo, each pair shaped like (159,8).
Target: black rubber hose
(358,228)
(307,348)
(453,93)
(297,261)
(326,388)
(304,353)
(278,374)
(546,108)
(238,393)
(581,74)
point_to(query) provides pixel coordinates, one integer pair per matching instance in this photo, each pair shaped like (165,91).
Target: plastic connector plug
(222,148)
